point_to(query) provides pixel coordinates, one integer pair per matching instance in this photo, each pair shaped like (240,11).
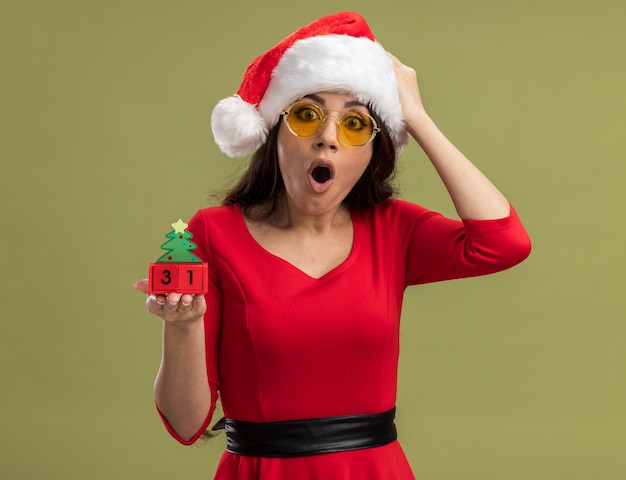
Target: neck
(288,216)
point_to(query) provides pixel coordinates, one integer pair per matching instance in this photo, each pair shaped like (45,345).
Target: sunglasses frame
(375,127)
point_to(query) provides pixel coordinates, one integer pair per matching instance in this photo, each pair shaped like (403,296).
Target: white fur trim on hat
(355,65)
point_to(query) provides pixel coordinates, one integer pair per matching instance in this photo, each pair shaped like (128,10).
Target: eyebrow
(315,98)
(320,100)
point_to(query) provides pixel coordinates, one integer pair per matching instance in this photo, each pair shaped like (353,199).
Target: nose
(328,134)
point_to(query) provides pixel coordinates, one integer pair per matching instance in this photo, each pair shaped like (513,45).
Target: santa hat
(334,53)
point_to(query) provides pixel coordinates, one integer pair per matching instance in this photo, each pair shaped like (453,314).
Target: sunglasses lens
(356,128)
(304,119)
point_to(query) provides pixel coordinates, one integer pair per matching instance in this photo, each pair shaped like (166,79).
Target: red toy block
(163,278)
(192,277)
(176,277)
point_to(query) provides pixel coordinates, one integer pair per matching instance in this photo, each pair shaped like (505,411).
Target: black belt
(310,437)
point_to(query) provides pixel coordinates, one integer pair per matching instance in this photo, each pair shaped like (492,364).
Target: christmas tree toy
(179,270)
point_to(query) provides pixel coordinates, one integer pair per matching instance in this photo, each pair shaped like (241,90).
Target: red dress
(282,345)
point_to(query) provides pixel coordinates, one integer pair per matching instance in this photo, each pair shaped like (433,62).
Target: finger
(156,300)
(155,304)
(392,56)
(186,299)
(397,64)
(142,285)
(199,304)
(172,299)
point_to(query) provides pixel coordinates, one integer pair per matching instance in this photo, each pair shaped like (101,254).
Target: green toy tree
(179,245)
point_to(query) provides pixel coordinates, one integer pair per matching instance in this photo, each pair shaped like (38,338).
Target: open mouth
(321,174)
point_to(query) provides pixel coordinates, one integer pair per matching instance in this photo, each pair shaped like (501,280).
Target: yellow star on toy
(180,226)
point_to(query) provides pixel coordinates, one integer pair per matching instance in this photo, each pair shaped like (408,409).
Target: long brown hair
(261,186)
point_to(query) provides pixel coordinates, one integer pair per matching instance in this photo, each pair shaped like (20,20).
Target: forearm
(473,194)
(181,388)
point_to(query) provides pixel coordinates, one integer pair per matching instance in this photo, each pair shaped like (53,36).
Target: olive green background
(105,141)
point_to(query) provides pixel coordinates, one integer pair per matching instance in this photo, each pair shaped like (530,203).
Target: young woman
(309,259)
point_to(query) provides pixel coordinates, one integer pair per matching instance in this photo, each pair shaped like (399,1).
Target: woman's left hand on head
(408,88)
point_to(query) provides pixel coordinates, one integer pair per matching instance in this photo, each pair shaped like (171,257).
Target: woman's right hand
(174,307)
